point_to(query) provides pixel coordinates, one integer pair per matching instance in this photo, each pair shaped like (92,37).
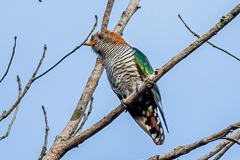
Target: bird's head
(105,39)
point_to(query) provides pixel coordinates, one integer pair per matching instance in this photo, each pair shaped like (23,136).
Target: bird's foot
(137,89)
(124,105)
(149,80)
(156,71)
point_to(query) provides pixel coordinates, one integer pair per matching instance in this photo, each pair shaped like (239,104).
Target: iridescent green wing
(145,69)
(143,63)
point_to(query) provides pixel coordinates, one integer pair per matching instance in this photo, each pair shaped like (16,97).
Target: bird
(127,68)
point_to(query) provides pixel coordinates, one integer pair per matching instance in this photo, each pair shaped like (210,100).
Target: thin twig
(16,110)
(44,148)
(223,145)
(228,146)
(225,149)
(10,62)
(85,117)
(5,114)
(96,18)
(215,150)
(181,150)
(232,139)
(195,34)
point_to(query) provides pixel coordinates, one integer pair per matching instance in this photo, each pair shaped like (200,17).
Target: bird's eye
(101,36)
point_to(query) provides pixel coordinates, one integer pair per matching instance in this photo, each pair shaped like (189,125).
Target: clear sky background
(201,95)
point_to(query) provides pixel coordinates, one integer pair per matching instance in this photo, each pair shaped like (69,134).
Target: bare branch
(212,32)
(107,14)
(43,152)
(232,139)
(181,150)
(90,86)
(10,62)
(16,110)
(75,141)
(54,152)
(228,146)
(5,114)
(224,144)
(215,151)
(126,15)
(195,34)
(69,52)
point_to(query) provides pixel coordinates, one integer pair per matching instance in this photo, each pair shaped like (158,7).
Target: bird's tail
(144,112)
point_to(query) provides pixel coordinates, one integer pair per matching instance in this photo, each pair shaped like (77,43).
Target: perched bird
(127,68)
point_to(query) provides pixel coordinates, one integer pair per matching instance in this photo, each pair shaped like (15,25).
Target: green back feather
(143,63)
(146,69)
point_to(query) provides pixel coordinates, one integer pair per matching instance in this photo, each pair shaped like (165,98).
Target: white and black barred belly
(122,70)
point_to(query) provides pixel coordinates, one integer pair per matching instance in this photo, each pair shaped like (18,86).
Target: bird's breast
(123,74)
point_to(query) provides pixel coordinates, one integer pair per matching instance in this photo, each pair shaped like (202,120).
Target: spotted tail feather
(146,116)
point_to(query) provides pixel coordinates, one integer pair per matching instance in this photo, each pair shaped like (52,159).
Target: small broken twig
(195,34)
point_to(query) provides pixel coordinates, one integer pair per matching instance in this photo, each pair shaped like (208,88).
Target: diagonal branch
(5,114)
(75,141)
(223,145)
(232,139)
(212,32)
(10,62)
(228,146)
(195,34)
(181,150)
(219,147)
(73,123)
(90,86)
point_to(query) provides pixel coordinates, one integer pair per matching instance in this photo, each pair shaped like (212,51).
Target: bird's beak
(89,43)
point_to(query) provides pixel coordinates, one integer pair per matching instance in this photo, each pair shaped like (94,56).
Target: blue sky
(200,95)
